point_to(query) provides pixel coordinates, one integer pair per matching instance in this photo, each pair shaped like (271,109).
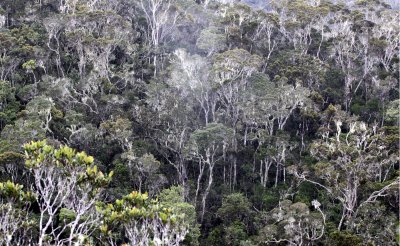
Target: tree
(15,215)
(349,159)
(23,130)
(9,106)
(144,172)
(173,197)
(294,224)
(266,34)
(268,104)
(66,183)
(94,36)
(342,50)
(144,221)
(40,108)
(118,130)
(207,146)
(231,100)
(235,207)
(7,63)
(160,19)
(386,35)
(55,28)
(370,227)
(211,40)
(392,113)
(240,21)
(232,69)
(191,75)
(171,123)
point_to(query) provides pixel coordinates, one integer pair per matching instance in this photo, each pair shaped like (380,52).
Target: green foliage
(9,113)
(174,198)
(29,65)
(235,207)
(370,222)
(232,64)
(121,181)
(294,66)
(9,107)
(367,112)
(6,91)
(13,192)
(23,130)
(306,193)
(235,234)
(392,113)
(40,155)
(256,110)
(344,238)
(214,133)
(292,222)
(270,199)
(10,157)
(216,236)
(66,215)
(138,209)
(211,40)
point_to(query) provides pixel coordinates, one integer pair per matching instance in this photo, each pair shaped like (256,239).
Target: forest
(199,122)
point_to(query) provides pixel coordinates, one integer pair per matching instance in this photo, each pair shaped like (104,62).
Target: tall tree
(349,159)
(208,146)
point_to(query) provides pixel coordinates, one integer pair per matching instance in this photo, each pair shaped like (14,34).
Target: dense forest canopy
(199,122)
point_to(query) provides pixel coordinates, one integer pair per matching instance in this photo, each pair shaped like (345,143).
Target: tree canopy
(199,122)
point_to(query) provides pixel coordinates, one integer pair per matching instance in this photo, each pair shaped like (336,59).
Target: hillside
(199,122)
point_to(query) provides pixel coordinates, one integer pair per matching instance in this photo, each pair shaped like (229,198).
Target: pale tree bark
(343,47)
(54,30)
(13,220)
(160,22)
(342,179)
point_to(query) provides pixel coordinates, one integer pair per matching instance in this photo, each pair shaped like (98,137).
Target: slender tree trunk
(276,174)
(207,191)
(71,235)
(201,171)
(342,218)
(234,172)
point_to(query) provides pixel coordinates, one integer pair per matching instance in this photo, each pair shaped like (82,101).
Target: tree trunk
(201,171)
